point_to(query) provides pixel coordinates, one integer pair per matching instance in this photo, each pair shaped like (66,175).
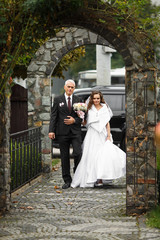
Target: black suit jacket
(59,112)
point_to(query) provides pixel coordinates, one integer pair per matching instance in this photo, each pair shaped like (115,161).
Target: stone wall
(39,114)
(141,151)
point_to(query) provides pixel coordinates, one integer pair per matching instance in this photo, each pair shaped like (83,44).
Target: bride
(101,159)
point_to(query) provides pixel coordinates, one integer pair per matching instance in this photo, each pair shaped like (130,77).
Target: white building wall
(103,64)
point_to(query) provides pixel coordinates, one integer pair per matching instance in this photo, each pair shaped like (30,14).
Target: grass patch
(153,217)
(55,162)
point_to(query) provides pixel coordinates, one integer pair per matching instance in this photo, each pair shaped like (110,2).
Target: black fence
(25,151)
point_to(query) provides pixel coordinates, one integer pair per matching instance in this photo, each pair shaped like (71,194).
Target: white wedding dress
(101,159)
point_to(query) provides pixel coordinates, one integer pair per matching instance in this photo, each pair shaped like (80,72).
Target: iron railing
(25,151)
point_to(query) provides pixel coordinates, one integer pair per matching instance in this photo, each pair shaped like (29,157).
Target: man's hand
(69,120)
(51,135)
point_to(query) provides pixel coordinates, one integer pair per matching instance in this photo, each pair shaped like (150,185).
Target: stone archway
(39,78)
(140,108)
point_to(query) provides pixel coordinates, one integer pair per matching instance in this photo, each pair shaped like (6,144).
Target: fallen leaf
(56,187)
(23,207)
(54,169)
(15,202)
(30,208)
(134,214)
(59,191)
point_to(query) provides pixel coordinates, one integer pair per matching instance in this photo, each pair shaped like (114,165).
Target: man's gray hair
(69,80)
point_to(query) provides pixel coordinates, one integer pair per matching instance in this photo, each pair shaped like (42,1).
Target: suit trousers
(64,142)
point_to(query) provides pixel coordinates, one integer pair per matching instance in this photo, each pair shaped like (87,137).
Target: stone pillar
(39,114)
(141,152)
(103,62)
(4,156)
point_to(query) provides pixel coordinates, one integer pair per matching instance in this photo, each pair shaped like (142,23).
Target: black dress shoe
(66,185)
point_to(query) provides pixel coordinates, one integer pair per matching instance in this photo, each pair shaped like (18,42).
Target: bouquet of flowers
(80,109)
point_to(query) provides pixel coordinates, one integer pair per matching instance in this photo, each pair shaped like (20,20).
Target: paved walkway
(47,212)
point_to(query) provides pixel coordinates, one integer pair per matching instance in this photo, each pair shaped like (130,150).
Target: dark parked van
(115,97)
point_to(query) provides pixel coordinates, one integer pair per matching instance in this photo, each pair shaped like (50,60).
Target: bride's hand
(84,122)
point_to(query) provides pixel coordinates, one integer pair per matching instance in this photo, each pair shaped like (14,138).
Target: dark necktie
(69,104)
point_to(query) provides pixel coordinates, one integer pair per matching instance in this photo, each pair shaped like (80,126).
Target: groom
(65,125)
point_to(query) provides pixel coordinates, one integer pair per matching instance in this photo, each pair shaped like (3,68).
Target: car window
(83,96)
(114,101)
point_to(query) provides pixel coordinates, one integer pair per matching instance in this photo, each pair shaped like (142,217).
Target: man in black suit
(66,126)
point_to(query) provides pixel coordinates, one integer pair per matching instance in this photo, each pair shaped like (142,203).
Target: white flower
(61,104)
(80,107)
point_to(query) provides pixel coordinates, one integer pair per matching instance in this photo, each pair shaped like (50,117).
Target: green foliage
(117,61)
(87,62)
(67,60)
(52,6)
(25,26)
(21,35)
(55,162)
(140,18)
(137,15)
(153,218)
